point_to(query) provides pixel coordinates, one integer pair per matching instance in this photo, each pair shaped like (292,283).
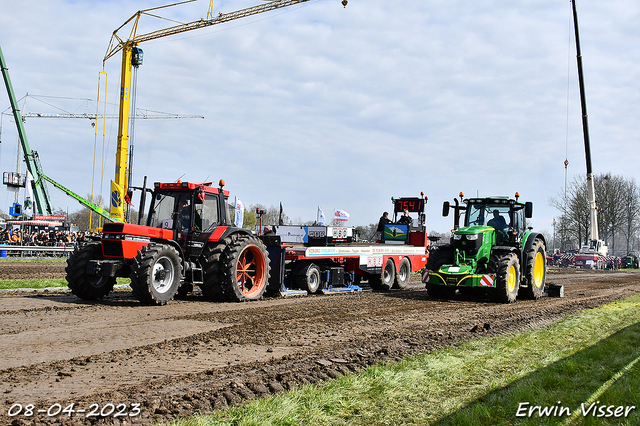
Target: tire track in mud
(230,353)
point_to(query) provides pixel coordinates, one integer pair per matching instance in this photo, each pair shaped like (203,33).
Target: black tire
(236,270)
(212,270)
(88,287)
(184,290)
(375,281)
(436,291)
(388,275)
(535,271)
(507,277)
(403,274)
(309,278)
(442,255)
(155,274)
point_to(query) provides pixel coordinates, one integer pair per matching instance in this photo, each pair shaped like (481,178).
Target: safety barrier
(34,251)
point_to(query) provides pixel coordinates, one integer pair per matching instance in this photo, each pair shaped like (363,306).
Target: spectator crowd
(42,238)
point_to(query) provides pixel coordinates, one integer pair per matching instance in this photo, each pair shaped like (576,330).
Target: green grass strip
(60,259)
(586,359)
(38,283)
(32,283)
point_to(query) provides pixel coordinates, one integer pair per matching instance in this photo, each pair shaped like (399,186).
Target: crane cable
(95,145)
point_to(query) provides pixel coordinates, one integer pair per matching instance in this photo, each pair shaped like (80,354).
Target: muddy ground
(191,355)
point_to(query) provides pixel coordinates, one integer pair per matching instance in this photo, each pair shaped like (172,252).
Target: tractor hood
(470,230)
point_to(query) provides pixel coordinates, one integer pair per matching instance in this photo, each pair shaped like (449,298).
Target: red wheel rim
(251,271)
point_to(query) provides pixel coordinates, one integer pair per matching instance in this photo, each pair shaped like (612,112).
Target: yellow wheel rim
(538,270)
(511,279)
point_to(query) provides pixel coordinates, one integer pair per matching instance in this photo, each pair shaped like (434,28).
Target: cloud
(343,107)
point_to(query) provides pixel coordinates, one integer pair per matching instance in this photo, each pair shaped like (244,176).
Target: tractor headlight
(472,237)
(457,236)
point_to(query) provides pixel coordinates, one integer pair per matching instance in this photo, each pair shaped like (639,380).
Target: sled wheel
(403,274)
(388,275)
(155,274)
(536,271)
(88,287)
(508,278)
(309,278)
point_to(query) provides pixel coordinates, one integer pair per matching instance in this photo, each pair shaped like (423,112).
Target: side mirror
(445,209)
(200,198)
(528,210)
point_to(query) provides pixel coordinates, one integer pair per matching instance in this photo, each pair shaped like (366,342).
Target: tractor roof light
(517,196)
(461,195)
(221,183)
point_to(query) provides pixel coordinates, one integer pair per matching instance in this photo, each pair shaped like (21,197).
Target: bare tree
(574,205)
(631,212)
(610,195)
(618,201)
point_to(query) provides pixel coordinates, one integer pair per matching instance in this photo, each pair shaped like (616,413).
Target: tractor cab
(506,216)
(187,207)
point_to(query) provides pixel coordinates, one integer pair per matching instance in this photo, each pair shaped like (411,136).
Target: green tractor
(493,253)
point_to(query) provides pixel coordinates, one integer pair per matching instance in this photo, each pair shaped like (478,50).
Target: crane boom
(139,115)
(595,241)
(117,43)
(132,56)
(40,193)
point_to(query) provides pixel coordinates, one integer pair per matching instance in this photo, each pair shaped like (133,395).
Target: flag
(117,208)
(239,213)
(280,221)
(321,221)
(27,206)
(340,215)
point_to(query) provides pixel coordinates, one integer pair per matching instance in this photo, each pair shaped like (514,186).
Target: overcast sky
(342,108)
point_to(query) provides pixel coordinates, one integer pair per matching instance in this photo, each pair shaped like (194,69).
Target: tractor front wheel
(155,274)
(507,277)
(438,256)
(437,291)
(536,271)
(83,285)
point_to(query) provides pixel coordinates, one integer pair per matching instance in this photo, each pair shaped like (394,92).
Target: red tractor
(188,240)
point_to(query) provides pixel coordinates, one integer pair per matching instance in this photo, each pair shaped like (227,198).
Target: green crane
(40,192)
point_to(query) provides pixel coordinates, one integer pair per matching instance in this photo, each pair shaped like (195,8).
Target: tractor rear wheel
(403,274)
(88,287)
(236,270)
(507,277)
(535,271)
(309,278)
(155,274)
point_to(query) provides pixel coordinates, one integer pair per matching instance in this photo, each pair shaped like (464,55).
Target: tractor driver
(497,222)
(184,215)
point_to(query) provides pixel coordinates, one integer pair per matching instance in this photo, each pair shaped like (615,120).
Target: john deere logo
(116,200)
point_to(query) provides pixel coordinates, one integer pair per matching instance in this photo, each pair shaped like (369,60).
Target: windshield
(169,208)
(496,216)
(173,210)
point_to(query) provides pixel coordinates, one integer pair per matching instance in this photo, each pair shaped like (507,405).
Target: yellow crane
(132,57)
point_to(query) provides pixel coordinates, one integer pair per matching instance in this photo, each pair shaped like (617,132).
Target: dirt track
(192,355)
